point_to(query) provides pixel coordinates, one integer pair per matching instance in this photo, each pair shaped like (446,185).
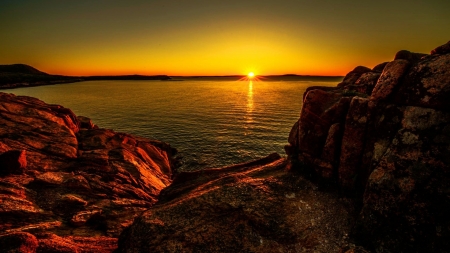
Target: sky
(216,37)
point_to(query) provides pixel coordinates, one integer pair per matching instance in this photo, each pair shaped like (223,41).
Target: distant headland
(22,75)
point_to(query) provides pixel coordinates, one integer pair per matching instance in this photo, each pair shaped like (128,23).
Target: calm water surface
(212,123)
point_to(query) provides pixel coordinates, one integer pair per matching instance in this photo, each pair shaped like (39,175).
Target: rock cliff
(67,185)
(383,136)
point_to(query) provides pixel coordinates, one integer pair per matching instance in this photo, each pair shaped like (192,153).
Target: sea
(212,122)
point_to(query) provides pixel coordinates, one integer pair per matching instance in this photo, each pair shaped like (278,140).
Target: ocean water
(212,122)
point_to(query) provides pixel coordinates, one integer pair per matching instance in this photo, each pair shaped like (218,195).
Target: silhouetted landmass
(127,77)
(21,75)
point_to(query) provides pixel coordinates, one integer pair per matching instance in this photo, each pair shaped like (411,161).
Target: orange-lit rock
(389,79)
(253,207)
(61,175)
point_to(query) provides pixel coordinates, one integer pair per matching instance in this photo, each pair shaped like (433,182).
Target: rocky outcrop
(259,206)
(67,185)
(384,138)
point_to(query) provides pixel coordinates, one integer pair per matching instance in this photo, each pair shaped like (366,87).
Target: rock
(86,123)
(13,162)
(389,79)
(293,135)
(409,56)
(407,190)
(56,244)
(73,200)
(444,49)
(353,76)
(394,153)
(332,147)
(81,218)
(317,116)
(251,207)
(353,143)
(380,67)
(427,84)
(365,83)
(74,177)
(18,242)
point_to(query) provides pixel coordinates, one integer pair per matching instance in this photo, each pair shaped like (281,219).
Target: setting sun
(251,75)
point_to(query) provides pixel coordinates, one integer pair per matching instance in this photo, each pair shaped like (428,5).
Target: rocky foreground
(68,186)
(367,171)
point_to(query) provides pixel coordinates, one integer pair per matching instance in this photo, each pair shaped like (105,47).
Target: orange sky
(215,37)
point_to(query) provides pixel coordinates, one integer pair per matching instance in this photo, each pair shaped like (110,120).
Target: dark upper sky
(215,37)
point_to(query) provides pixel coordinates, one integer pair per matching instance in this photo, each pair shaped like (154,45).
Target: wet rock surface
(393,152)
(68,184)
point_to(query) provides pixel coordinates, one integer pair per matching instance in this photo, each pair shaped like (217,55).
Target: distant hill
(22,75)
(20,68)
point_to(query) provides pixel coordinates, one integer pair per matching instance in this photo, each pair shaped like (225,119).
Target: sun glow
(251,75)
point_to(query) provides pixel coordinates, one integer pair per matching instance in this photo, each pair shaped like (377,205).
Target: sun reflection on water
(250,97)
(249,111)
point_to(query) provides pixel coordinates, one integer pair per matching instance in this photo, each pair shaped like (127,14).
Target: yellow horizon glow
(251,75)
(214,37)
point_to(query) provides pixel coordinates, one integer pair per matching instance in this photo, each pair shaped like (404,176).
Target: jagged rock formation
(383,135)
(68,186)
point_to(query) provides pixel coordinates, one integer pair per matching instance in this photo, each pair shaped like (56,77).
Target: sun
(251,75)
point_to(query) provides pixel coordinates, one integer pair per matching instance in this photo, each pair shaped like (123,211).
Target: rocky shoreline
(367,171)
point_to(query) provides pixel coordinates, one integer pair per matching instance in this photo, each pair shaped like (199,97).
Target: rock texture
(385,138)
(68,186)
(255,207)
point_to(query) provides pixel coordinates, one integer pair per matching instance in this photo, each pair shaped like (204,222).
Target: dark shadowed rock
(406,194)
(252,207)
(86,122)
(316,118)
(409,56)
(444,49)
(389,79)
(365,83)
(18,242)
(13,162)
(394,155)
(353,76)
(380,67)
(427,84)
(353,143)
